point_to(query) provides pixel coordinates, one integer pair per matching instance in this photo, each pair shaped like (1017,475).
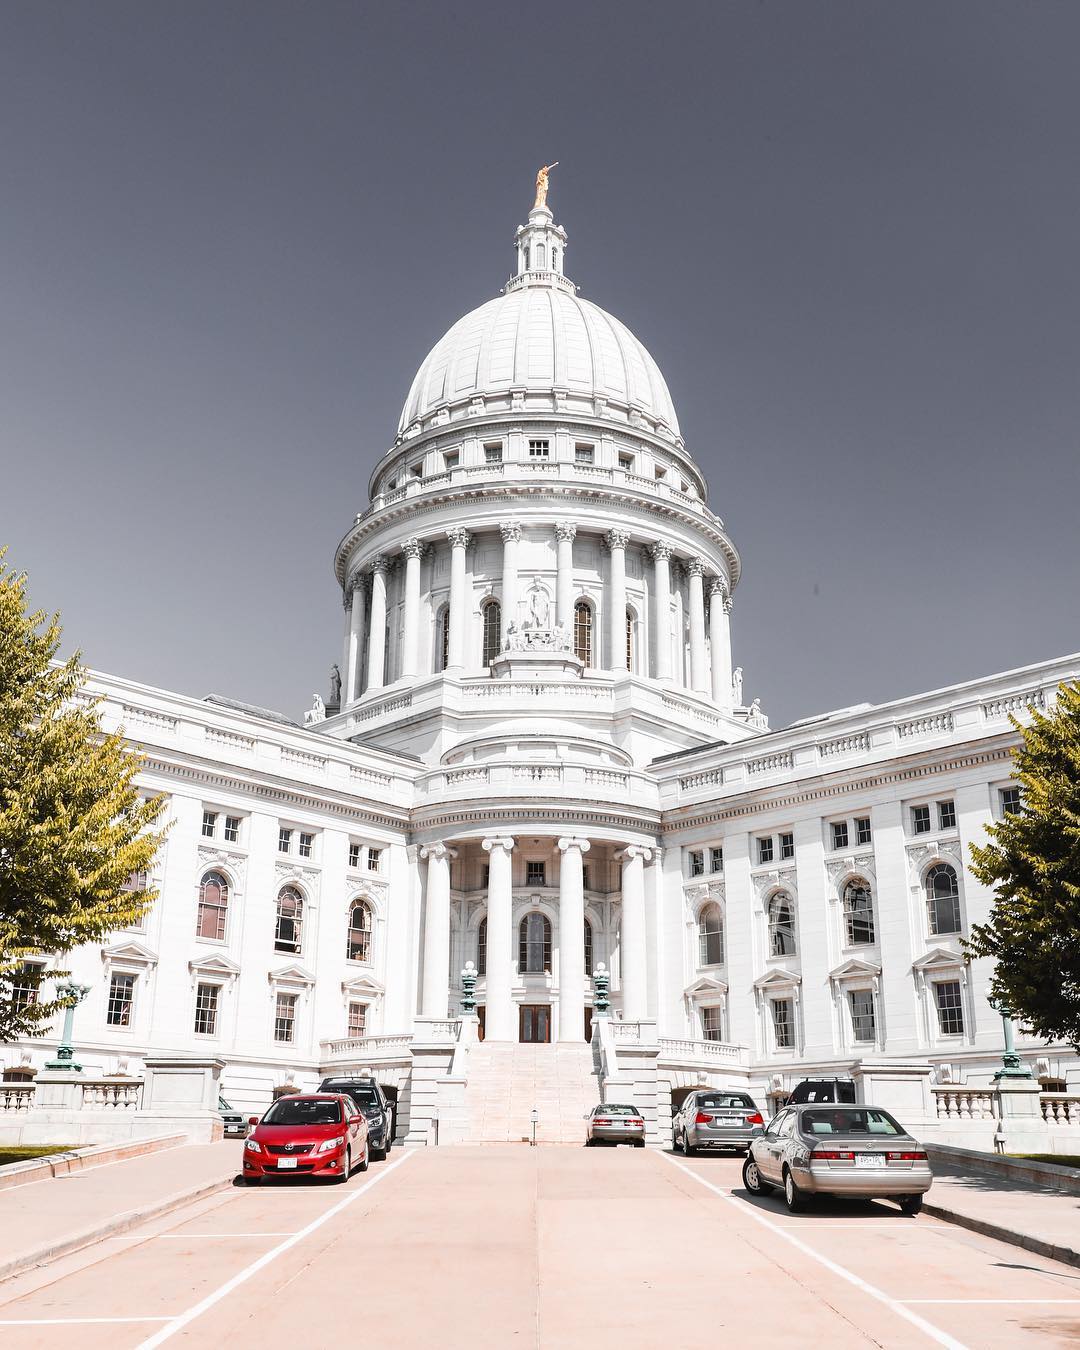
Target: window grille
(862,830)
(492,631)
(357,1021)
(583,633)
(946,813)
(232,829)
(783,1015)
(781,925)
(950,1007)
(121,1001)
(285,1018)
(920,820)
(481,948)
(358,947)
(290,917)
(213,907)
(943,899)
(858,913)
(710,936)
(712,1028)
(206,1009)
(862,1014)
(534,944)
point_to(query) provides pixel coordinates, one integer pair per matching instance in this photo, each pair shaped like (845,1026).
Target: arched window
(534,945)
(588,948)
(290,918)
(858,913)
(781,925)
(554,259)
(528,258)
(481,948)
(541,257)
(583,624)
(943,899)
(213,907)
(358,946)
(630,640)
(442,638)
(710,936)
(492,613)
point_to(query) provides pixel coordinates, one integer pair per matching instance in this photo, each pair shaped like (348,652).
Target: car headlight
(328,1145)
(252,1145)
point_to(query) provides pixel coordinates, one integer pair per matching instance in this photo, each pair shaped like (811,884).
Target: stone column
(434,1000)
(499,1021)
(564,585)
(699,679)
(617,541)
(376,663)
(661,553)
(632,959)
(720,642)
(348,656)
(459,542)
(511,533)
(410,661)
(572,940)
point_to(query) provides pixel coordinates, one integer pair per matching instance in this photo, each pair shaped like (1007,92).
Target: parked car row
(329,1133)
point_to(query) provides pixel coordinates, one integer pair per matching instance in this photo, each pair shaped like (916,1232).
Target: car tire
(684,1145)
(253,1181)
(589,1143)
(910,1205)
(343,1175)
(752,1179)
(793,1197)
(366,1159)
(639,1143)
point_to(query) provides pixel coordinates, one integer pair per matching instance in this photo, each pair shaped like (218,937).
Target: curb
(74,1160)
(119,1223)
(1017,1239)
(1055,1176)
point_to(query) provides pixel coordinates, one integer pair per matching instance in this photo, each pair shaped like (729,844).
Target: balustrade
(954,1103)
(1060,1109)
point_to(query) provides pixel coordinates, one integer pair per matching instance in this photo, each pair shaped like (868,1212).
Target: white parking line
(74,1321)
(178,1237)
(178,1323)
(991,1300)
(783,1231)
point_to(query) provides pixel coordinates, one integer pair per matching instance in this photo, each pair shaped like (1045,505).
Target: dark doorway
(534,1026)
(481,1012)
(588,1024)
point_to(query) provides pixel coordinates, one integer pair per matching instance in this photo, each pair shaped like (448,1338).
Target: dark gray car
(372,1101)
(857,1152)
(716,1118)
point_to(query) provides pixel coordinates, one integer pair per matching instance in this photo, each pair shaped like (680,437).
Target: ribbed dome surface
(540,338)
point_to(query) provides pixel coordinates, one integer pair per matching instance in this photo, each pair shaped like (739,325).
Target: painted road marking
(990,1300)
(178,1323)
(74,1321)
(177,1237)
(784,1231)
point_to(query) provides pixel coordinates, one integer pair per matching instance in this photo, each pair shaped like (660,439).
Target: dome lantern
(541,250)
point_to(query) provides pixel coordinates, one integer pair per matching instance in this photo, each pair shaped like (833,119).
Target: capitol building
(536,783)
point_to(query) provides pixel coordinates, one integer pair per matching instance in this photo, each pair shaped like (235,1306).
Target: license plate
(286,1163)
(867,1160)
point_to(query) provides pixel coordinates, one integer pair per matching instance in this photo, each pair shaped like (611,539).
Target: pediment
(214,965)
(855,968)
(363,984)
(780,978)
(293,973)
(708,984)
(129,951)
(938,958)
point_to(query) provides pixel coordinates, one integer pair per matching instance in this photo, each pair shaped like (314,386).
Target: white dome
(540,338)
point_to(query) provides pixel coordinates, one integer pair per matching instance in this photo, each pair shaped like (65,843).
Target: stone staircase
(506,1080)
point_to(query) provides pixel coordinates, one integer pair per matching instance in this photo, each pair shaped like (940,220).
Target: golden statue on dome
(542,185)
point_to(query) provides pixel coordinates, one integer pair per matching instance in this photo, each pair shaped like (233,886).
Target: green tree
(1033,863)
(73,829)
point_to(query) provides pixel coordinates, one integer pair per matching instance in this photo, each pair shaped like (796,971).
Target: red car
(321,1134)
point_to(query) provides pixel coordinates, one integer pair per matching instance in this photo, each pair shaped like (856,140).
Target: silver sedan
(615,1124)
(860,1152)
(716,1118)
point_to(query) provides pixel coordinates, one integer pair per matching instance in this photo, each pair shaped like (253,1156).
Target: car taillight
(702,1119)
(636,1120)
(832,1155)
(601,1120)
(905,1157)
(755,1119)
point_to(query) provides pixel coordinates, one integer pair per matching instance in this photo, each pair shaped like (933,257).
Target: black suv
(378,1112)
(823,1090)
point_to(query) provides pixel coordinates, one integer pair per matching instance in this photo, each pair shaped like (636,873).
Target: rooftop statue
(542,185)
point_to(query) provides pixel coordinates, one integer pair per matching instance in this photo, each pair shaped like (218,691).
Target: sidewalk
(1036,1217)
(45,1219)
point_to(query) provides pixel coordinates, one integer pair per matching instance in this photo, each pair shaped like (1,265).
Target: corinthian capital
(661,552)
(565,530)
(381,563)
(510,531)
(695,567)
(412,548)
(458,536)
(617,539)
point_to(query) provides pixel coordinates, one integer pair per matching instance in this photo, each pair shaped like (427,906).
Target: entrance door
(481,1015)
(534,1026)
(588,1024)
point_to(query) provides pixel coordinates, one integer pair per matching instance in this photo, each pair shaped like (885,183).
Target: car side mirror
(253,1120)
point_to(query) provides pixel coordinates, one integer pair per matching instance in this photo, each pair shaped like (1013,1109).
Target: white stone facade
(539,728)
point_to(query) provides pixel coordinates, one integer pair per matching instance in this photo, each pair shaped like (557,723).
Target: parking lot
(559,1247)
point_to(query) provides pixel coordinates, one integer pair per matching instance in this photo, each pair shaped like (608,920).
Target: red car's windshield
(304,1111)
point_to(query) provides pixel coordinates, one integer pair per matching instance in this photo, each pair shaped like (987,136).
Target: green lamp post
(1012,1066)
(71,995)
(468,989)
(601,980)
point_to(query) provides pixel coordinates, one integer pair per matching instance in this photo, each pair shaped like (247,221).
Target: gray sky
(846,231)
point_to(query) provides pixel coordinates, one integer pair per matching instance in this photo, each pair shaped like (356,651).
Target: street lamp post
(601,980)
(71,994)
(468,989)
(1012,1066)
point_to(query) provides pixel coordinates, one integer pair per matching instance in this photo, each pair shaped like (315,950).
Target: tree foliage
(73,829)
(1033,863)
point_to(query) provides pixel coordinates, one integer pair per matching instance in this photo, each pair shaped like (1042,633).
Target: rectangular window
(209,824)
(583,453)
(783,1020)
(493,452)
(357,1021)
(206,1009)
(716,859)
(839,834)
(374,859)
(485,875)
(765,849)
(535,874)
(626,462)
(284,840)
(24,986)
(697,863)
(920,820)
(711,1023)
(946,815)
(121,1001)
(416,470)
(306,843)
(585,878)
(539,449)
(232,829)
(354,855)
(451,460)
(787,846)
(950,1008)
(862,1014)
(1010,801)
(862,829)
(285,1018)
